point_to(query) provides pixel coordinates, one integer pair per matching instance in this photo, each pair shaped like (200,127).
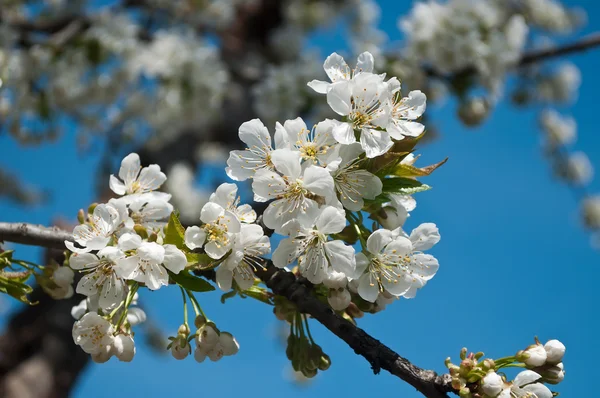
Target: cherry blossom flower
(295,192)
(365,103)
(134,179)
(100,278)
(250,245)
(150,262)
(96,234)
(353,183)
(526,383)
(218,231)
(338,71)
(257,156)
(226,196)
(93,333)
(404,111)
(313,251)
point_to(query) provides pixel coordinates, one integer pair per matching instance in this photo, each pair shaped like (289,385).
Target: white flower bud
(535,355)
(229,344)
(339,299)
(124,347)
(492,384)
(63,276)
(216,353)
(553,374)
(555,350)
(199,355)
(335,280)
(207,337)
(104,355)
(180,348)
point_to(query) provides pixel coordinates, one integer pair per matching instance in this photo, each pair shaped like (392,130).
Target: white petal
(111,293)
(526,377)
(83,260)
(246,214)
(319,86)
(175,260)
(400,246)
(294,129)
(117,186)
(238,168)
(338,98)
(225,195)
(254,134)
(194,237)
(287,162)
(375,142)
(211,212)
(362,262)
(154,277)
(400,129)
(540,390)
(224,277)
(216,251)
(151,178)
(343,133)
(71,246)
(366,290)
(151,252)
(365,62)
(130,168)
(425,236)
(424,266)
(397,286)
(243,281)
(336,68)
(266,185)
(417,103)
(129,241)
(282,138)
(127,268)
(87,285)
(286,253)
(319,181)
(341,257)
(331,221)
(378,240)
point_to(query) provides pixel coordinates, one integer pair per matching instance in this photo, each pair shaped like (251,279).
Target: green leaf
(175,233)
(404,186)
(190,282)
(407,170)
(259,293)
(13,285)
(200,261)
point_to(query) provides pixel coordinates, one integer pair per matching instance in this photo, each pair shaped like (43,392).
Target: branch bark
(298,291)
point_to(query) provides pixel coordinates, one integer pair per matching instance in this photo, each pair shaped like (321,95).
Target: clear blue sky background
(515,262)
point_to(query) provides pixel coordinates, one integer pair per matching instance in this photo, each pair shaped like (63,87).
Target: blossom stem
(185,311)
(196,304)
(512,365)
(307,328)
(132,290)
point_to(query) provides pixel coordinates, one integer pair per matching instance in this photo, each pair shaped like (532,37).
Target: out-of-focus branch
(297,290)
(34,235)
(583,44)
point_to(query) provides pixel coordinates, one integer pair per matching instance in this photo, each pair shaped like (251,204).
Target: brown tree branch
(590,41)
(298,291)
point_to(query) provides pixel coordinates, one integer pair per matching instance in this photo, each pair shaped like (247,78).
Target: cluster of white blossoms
(481,378)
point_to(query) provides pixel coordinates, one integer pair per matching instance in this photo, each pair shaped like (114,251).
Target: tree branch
(34,235)
(586,43)
(298,291)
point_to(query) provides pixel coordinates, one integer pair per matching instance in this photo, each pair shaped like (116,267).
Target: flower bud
(492,384)
(124,347)
(81,216)
(180,348)
(465,393)
(207,336)
(104,355)
(339,299)
(63,276)
(199,355)
(324,362)
(552,374)
(534,356)
(216,353)
(463,353)
(229,344)
(473,111)
(184,330)
(199,321)
(488,364)
(555,350)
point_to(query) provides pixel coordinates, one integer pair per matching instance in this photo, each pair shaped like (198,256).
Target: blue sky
(515,262)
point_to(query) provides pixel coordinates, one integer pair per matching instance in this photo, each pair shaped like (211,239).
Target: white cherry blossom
(313,251)
(100,277)
(226,196)
(242,165)
(218,232)
(294,193)
(395,263)
(250,245)
(134,179)
(316,146)
(364,101)
(352,183)
(338,70)
(96,234)
(150,261)
(93,333)
(404,111)
(527,382)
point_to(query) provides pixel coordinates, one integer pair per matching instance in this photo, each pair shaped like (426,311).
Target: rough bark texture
(38,358)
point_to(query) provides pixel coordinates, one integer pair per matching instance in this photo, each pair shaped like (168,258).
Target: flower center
(217,233)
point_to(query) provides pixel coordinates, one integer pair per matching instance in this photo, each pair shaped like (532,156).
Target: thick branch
(286,284)
(427,382)
(34,235)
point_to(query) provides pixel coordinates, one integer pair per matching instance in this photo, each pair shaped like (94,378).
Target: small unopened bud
(81,216)
(229,344)
(184,330)
(458,383)
(488,364)
(552,374)
(92,207)
(324,362)
(207,336)
(463,353)
(478,355)
(492,384)
(124,348)
(339,299)
(555,351)
(180,348)
(141,231)
(534,355)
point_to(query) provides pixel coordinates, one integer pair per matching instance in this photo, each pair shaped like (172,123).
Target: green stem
(132,290)
(512,365)
(196,304)
(185,311)
(308,329)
